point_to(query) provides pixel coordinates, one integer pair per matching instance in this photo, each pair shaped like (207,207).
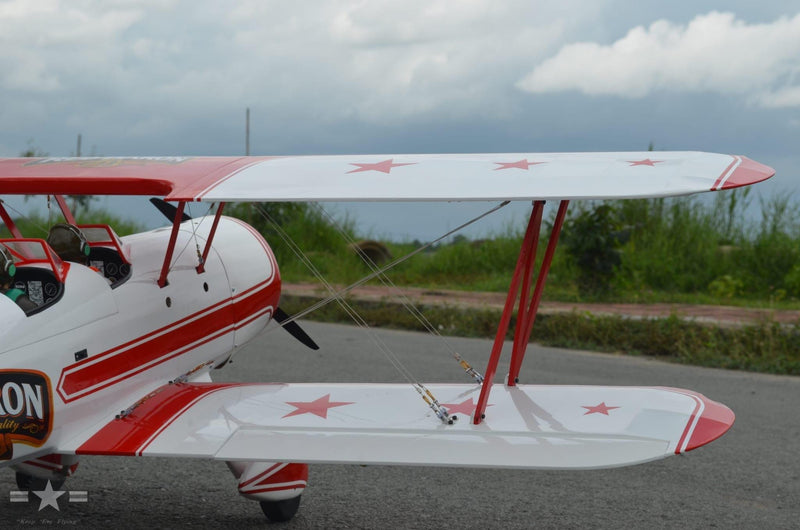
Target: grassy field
(661,250)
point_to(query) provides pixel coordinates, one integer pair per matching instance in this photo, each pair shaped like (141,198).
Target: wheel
(27,482)
(280,511)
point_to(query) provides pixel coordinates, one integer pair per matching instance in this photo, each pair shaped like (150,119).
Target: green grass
(762,347)
(682,250)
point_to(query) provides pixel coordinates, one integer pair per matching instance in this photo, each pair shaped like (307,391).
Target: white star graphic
(49,496)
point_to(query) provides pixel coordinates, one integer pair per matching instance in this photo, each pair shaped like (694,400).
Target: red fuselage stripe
(166,343)
(141,368)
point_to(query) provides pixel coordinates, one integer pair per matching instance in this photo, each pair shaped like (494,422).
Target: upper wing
(498,176)
(525,427)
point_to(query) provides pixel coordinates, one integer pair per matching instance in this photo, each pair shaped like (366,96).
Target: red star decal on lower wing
(645,162)
(384,167)
(318,407)
(602,408)
(465,407)
(519,164)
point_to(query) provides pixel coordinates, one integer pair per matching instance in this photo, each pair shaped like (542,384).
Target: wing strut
(173,237)
(62,203)
(201,268)
(12,227)
(525,315)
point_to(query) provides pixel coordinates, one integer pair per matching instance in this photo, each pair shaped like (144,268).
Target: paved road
(749,478)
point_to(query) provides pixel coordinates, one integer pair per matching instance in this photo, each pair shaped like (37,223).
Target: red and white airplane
(115,355)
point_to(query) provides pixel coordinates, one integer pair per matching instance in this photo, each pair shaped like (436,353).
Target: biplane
(115,352)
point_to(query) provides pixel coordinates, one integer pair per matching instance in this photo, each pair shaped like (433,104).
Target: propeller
(169,210)
(294,329)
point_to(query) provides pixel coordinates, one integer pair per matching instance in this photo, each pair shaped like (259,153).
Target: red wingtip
(714,421)
(746,173)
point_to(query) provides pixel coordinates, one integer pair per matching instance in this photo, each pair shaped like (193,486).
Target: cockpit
(40,274)
(107,254)
(40,267)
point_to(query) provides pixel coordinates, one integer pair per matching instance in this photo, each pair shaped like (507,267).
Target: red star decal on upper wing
(465,407)
(645,162)
(602,408)
(318,407)
(519,164)
(384,167)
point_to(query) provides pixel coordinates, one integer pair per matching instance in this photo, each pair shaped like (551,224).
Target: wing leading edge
(455,177)
(535,427)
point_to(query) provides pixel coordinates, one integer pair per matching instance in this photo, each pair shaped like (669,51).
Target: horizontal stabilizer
(535,427)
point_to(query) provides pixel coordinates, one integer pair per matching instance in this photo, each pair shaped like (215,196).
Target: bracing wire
(351,312)
(388,266)
(401,296)
(7,206)
(338,297)
(195,227)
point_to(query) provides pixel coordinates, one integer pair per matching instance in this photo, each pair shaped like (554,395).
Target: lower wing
(534,427)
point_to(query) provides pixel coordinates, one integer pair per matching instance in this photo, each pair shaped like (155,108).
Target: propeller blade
(168,210)
(294,329)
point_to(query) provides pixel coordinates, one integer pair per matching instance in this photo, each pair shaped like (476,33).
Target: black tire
(27,482)
(280,511)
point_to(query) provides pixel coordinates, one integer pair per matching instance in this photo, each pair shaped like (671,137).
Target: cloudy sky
(173,77)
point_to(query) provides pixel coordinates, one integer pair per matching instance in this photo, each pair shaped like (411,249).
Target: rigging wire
(401,296)
(388,266)
(338,296)
(195,226)
(29,219)
(352,313)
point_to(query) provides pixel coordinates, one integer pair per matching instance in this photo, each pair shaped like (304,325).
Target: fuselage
(71,367)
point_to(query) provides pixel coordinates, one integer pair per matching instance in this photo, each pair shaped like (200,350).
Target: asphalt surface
(749,478)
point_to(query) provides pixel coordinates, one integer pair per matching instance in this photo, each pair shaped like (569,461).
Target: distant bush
(592,238)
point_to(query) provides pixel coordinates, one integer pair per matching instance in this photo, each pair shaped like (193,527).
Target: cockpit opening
(35,275)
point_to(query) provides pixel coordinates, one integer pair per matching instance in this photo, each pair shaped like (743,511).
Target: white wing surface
(509,176)
(464,177)
(536,427)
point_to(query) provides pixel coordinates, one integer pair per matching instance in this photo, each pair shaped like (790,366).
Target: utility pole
(247,133)
(78,151)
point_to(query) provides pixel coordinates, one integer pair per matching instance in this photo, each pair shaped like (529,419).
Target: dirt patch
(719,315)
